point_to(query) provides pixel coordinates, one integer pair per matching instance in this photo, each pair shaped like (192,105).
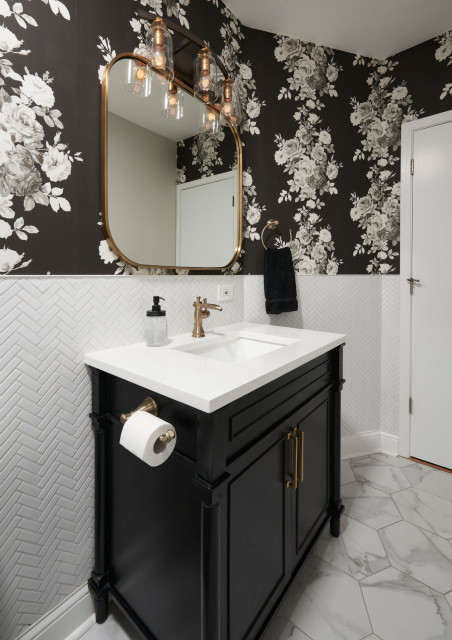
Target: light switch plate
(225,293)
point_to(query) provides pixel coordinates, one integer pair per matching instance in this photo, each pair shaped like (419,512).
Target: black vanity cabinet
(204,546)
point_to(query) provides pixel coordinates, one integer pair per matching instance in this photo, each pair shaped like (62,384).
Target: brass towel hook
(272,224)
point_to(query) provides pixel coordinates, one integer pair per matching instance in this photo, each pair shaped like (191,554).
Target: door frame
(406,244)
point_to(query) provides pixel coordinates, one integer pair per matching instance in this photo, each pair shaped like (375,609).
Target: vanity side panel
(126,396)
(155,541)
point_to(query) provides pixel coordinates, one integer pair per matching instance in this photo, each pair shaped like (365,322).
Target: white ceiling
(147,112)
(375,28)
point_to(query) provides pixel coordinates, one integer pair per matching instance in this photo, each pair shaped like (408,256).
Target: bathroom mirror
(171,196)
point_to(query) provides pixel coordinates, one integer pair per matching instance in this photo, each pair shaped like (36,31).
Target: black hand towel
(279,281)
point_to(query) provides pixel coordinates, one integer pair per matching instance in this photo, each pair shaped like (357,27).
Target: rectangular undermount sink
(235,348)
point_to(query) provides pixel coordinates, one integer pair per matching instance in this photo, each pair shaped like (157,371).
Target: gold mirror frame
(104,173)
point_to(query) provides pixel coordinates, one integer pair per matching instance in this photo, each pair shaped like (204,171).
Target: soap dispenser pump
(155,333)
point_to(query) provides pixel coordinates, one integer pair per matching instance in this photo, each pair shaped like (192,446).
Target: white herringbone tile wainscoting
(46,443)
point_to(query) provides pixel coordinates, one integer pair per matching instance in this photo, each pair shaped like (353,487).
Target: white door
(431,300)
(206,208)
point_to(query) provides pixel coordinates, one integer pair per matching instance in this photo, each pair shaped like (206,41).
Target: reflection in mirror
(172,194)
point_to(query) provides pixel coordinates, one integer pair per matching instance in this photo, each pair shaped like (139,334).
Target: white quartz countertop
(209,384)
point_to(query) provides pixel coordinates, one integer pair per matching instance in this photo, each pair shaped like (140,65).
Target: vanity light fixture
(205,76)
(209,120)
(138,79)
(230,104)
(173,102)
(160,45)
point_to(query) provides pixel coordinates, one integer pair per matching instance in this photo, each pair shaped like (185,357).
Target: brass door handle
(300,465)
(293,484)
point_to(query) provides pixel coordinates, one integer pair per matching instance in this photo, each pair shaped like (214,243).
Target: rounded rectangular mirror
(171,172)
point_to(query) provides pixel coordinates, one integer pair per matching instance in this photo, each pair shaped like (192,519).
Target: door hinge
(410,406)
(412,166)
(233,200)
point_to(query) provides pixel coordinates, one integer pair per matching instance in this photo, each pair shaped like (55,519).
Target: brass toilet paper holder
(149,405)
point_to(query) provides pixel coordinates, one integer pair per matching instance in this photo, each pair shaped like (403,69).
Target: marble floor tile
(372,637)
(380,475)
(403,608)
(114,628)
(282,629)
(420,554)
(368,505)
(439,483)
(346,472)
(425,510)
(449,598)
(326,603)
(357,551)
(392,460)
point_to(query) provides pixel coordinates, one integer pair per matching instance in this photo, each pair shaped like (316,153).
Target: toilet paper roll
(140,435)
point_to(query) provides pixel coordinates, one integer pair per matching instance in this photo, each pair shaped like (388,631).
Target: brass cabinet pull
(300,466)
(293,484)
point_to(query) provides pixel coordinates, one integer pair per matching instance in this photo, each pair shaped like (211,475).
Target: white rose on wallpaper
(5,11)
(56,165)
(5,229)
(247,179)
(289,48)
(6,203)
(332,171)
(6,145)
(445,50)
(106,254)
(325,137)
(8,41)
(37,90)
(245,71)
(253,214)
(332,73)
(21,123)
(253,109)
(318,252)
(318,153)
(398,93)
(325,235)
(10,260)
(307,266)
(305,168)
(332,268)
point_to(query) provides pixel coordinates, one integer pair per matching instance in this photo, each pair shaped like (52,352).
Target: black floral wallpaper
(321,135)
(206,155)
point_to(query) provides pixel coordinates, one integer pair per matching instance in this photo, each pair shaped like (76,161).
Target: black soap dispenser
(155,331)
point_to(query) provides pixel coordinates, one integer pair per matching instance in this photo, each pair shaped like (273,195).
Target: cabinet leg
(335,522)
(100,597)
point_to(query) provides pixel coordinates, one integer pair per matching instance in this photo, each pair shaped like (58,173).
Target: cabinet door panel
(312,495)
(257,530)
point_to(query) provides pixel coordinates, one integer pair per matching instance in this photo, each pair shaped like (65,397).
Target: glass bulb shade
(138,79)
(160,45)
(173,102)
(205,77)
(230,103)
(209,120)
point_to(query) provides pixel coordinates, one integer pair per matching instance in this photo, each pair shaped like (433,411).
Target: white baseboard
(70,619)
(367,442)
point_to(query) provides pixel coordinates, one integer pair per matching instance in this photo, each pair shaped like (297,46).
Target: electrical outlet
(225,293)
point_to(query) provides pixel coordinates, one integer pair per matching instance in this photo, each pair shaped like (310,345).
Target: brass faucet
(202,311)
